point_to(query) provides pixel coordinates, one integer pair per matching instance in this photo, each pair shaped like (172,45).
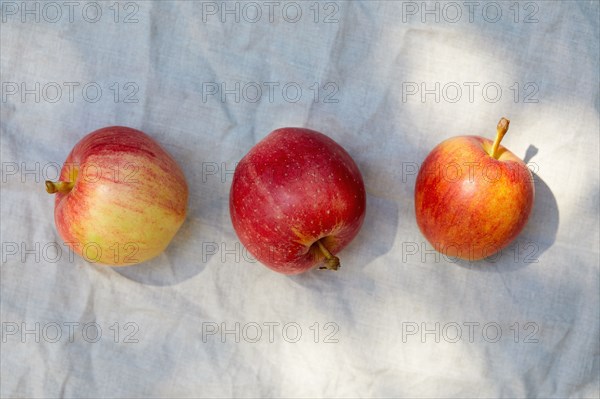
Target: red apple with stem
(120,197)
(297,199)
(473,196)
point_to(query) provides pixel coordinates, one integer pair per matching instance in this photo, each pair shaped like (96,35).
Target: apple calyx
(501,130)
(331,262)
(59,187)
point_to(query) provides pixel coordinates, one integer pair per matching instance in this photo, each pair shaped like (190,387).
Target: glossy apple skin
(293,188)
(469,205)
(129,198)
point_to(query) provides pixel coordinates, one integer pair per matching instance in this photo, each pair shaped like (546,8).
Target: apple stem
(331,262)
(59,187)
(501,130)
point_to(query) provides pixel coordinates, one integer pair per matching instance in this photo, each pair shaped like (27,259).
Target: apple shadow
(530,153)
(538,235)
(381,221)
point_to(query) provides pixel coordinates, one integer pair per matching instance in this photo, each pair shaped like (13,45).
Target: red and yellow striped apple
(120,197)
(473,196)
(297,198)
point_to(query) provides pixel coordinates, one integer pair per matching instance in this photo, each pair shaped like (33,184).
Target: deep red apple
(296,200)
(120,198)
(473,196)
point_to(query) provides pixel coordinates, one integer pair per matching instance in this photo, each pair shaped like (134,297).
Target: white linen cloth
(388,81)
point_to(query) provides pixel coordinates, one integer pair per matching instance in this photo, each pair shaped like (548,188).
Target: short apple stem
(501,130)
(59,187)
(331,262)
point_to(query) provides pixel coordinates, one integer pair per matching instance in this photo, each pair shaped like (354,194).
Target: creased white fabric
(388,81)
